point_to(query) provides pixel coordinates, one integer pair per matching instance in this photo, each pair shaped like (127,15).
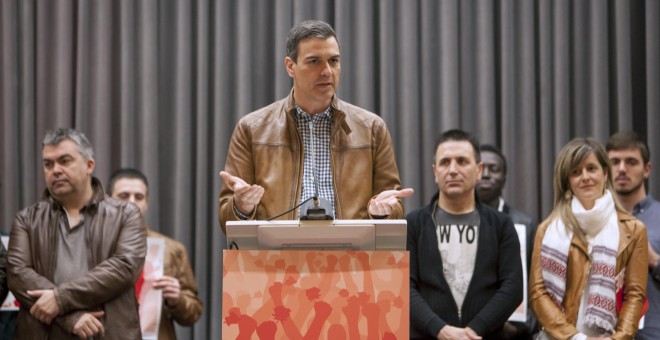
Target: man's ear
(480,170)
(288,64)
(91,164)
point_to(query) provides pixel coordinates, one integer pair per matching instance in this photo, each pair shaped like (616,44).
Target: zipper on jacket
(313,157)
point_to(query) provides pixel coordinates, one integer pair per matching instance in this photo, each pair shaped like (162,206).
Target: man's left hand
(46,307)
(387,201)
(171,289)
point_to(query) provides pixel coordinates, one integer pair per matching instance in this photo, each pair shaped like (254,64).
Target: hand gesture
(246,196)
(387,201)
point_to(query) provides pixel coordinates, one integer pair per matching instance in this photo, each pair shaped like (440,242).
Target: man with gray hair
(74,255)
(311,144)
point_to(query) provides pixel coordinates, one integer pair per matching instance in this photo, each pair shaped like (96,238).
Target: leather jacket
(266,149)
(116,237)
(631,255)
(189,308)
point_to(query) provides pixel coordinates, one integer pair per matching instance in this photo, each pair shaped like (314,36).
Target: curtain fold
(159,85)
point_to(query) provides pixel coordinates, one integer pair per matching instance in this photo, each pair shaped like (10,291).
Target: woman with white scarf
(589,264)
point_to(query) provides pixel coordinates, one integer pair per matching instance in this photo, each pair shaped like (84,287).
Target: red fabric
(619,302)
(138,285)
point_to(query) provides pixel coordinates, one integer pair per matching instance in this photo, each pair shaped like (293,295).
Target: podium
(340,279)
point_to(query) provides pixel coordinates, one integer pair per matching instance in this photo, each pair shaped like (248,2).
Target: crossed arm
(65,304)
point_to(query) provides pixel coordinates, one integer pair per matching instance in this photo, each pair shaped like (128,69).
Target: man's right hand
(246,197)
(455,333)
(45,309)
(89,325)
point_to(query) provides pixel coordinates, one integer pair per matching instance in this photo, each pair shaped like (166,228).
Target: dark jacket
(266,149)
(116,236)
(495,290)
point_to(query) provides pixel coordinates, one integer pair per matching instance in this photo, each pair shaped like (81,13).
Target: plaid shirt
(315,132)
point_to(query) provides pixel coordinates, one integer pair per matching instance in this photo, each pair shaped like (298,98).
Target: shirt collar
(97,196)
(327,114)
(500,206)
(643,205)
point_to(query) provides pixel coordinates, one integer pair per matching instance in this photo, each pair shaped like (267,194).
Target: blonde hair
(570,156)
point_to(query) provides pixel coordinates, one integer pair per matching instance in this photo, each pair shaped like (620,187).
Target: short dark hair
(629,140)
(459,136)
(494,149)
(304,30)
(126,173)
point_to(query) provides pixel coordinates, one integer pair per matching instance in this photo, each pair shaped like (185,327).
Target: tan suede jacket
(266,149)
(189,308)
(117,242)
(632,255)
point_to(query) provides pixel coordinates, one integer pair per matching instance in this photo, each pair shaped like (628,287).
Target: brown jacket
(189,308)
(632,255)
(117,247)
(266,149)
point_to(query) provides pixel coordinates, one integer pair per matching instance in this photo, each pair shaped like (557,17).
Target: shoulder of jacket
(634,225)
(629,220)
(114,203)
(34,208)
(359,115)
(417,214)
(491,215)
(275,110)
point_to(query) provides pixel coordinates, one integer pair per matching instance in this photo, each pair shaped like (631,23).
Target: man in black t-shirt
(465,267)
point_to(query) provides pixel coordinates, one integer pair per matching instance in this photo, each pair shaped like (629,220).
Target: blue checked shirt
(315,132)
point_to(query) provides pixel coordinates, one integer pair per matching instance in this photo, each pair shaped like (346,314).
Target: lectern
(335,279)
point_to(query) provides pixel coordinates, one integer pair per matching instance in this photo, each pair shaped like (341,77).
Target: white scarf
(601,227)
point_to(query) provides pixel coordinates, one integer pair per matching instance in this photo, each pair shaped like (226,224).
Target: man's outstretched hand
(246,196)
(387,201)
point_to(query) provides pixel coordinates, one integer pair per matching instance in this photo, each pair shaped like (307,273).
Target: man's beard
(626,192)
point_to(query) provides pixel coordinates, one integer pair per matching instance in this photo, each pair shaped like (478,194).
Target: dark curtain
(159,85)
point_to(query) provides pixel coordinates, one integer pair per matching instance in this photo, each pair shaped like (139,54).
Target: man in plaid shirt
(311,143)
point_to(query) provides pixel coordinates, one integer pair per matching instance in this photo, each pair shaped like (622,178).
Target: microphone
(318,208)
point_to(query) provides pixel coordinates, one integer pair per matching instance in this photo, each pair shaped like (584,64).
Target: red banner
(272,294)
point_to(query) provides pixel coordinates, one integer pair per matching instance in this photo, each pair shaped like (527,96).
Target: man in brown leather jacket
(311,144)
(74,256)
(178,285)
